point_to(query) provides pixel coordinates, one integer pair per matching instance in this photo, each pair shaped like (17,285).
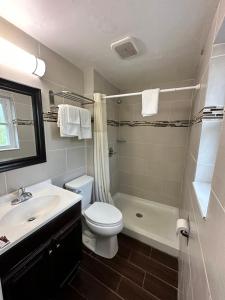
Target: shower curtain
(101,158)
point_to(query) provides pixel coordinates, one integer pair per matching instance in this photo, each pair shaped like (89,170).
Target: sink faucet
(22,196)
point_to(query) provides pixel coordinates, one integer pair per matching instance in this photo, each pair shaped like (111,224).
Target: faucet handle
(21,190)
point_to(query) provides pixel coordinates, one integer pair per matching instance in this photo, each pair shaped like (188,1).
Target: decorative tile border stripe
(50,117)
(113,123)
(176,123)
(23,122)
(207,113)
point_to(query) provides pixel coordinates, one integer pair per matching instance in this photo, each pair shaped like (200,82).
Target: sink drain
(31,219)
(138,215)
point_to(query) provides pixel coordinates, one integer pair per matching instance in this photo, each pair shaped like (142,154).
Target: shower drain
(138,215)
(31,219)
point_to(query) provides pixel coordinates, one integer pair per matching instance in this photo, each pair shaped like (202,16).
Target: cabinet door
(67,253)
(29,279)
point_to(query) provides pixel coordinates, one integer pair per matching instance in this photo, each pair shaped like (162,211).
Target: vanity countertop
(19,221)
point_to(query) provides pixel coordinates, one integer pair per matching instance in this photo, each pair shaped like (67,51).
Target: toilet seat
(103,214)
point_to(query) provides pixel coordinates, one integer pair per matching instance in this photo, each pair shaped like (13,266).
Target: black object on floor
(137,272)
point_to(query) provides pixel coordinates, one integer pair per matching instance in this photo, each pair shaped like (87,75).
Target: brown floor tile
(123,267)
(124,250)
(103,273)
(130,291)
(86,250)
(90,288)
(159,288)
(68,293)
(137,272)
(155,268)
(134,244)
(165,259)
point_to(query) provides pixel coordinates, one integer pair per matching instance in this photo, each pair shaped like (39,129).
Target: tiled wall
(202,262)
(151,159)
(65,156)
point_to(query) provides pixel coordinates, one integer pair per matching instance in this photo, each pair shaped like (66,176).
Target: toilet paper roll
(182,224)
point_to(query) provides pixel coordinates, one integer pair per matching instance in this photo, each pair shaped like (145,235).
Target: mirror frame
(35,95)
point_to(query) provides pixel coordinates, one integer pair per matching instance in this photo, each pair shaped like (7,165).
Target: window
(8,129)
(211,128)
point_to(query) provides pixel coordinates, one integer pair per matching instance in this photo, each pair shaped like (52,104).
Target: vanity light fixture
(17,58)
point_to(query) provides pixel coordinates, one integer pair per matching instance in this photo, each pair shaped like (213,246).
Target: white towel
(85,124)
(69,120)
(150,100)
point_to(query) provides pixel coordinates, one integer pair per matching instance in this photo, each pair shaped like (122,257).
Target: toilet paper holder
(186,233)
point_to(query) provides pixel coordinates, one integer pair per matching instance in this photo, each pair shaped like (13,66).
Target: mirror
(21,126)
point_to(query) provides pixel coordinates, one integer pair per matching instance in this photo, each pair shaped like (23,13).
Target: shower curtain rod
(194,87)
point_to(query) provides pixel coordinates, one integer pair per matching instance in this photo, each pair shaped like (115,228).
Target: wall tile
(75,158)
(205,248)
(199,279)
(212,233)
(56,162)
(26,176)
(3,187)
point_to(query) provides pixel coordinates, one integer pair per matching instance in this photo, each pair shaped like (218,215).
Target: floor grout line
(144,280)
(153,275)
(101,283)
(167,283)
(118,285)
(140,268)
(78,292)
(132,282)
(157,261)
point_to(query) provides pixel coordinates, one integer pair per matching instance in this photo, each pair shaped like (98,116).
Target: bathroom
(133,207)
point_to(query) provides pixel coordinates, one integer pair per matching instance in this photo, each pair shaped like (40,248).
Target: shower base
(149,222)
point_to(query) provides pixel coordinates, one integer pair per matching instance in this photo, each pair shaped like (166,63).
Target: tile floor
(137,272)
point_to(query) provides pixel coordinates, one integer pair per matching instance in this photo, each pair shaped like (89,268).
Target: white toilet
(102,221)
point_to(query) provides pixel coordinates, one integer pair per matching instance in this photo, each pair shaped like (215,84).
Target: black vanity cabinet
(39,265)
(30,279)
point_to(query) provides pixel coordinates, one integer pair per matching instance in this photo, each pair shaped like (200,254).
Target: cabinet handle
(50,252)
(57,245)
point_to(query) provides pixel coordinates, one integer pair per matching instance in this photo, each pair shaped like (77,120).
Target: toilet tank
(82,185)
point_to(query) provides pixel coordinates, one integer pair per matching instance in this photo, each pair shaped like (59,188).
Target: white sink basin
(30,210)
(19,221)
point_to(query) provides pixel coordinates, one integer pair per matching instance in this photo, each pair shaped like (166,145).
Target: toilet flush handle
(77,191)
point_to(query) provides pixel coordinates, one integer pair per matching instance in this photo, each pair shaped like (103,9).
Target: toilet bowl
(101,221)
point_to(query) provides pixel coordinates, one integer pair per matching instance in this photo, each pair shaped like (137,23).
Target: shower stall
(147,158)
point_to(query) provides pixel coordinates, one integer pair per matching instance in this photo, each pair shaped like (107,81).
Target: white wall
(65,156)
(202,262)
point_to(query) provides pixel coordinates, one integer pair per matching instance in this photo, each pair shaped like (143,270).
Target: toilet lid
(103,213)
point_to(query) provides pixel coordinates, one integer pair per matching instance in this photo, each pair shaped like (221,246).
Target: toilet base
(103,246)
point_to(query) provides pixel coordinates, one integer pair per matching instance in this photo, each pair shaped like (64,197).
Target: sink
(21,220)
(30,210)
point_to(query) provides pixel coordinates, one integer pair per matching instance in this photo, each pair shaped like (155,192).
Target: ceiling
(170,34)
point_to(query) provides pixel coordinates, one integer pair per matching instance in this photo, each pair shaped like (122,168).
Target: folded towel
(150,99)
(85,124)
(73,114)
(69,120)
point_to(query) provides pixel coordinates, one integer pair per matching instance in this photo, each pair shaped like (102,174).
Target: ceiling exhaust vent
(125,48)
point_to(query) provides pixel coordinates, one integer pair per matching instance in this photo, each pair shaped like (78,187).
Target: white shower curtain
(101,157)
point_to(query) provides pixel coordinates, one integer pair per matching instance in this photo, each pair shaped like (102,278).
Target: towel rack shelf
(70,96)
